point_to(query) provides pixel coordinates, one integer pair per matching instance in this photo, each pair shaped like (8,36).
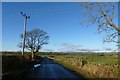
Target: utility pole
(24,34)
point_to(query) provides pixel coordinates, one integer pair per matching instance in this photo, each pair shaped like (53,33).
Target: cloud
(108,49)
(47,50)
(89,50)
(68,47)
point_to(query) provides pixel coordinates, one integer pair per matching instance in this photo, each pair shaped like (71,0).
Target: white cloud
(108,49)
(47,50)
(68,47)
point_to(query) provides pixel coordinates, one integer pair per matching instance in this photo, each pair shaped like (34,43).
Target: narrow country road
(50,69)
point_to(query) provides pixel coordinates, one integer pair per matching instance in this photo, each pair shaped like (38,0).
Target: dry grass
(100,66)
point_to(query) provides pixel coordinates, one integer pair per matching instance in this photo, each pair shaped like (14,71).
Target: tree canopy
(34,40)
(103,14)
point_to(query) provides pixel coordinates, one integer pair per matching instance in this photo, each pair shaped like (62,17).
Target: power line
(42,8)
(50,10)
(39,6)
(54,12)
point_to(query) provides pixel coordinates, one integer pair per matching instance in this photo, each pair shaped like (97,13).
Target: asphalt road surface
(52,70)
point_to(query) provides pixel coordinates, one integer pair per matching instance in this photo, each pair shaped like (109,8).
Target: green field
(98,65)
(95,58)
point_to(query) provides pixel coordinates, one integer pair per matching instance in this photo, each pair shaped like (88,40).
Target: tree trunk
(33,54)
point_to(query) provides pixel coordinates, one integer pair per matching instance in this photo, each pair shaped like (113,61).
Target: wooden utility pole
(24,34)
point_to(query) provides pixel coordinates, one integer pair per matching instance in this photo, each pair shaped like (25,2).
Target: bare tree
(103,14)
(34,40)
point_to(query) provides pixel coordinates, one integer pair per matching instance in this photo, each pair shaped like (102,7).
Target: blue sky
(62,22)
(59,0)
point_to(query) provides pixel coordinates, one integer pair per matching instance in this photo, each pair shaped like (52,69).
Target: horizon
(67,52)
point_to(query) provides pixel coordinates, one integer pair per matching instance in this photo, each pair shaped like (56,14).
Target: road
(51,69)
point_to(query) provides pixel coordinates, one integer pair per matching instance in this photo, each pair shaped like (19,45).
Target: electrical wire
(40,8)
(51,13)
(55,10)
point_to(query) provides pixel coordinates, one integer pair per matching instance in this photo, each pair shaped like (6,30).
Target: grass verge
(80,72)
(14,67)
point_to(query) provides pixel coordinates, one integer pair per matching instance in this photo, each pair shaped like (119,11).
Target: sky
(62,22)
(60,0)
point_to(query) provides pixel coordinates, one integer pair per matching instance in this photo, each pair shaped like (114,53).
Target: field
(90,65)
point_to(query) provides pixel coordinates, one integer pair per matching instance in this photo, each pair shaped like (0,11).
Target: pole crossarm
(24,14)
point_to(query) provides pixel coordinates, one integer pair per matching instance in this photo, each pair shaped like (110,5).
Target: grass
(14,66)
(95,58)
(103,60)
(91,65)
(80,72)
